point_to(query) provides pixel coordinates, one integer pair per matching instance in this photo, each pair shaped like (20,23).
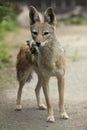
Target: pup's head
(42,26)
(33,47)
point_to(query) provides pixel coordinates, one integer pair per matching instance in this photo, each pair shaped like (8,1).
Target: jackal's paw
(18,108)
(64,115)
(50,119)
(42,107)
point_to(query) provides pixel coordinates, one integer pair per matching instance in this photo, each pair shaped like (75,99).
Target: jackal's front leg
(37,92)
(45,85)
(62,111)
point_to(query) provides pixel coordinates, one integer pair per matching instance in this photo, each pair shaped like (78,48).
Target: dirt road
(74,40)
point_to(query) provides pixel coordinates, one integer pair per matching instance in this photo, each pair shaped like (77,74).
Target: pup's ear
(49,16)
(34,15)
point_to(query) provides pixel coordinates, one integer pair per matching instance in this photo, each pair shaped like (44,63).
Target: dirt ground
(74,40)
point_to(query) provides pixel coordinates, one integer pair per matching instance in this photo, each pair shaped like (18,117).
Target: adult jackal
(48,61)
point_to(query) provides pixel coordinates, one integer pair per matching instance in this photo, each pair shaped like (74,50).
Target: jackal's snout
(39,40)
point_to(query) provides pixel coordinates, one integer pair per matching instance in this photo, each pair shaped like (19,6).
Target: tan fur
(49,62)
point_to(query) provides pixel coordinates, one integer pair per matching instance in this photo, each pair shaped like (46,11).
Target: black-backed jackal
(46,60)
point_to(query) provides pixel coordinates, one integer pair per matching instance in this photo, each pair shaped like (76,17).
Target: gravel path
(74,40)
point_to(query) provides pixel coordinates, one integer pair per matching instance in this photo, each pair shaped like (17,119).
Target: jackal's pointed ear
(49,16)
(34,15)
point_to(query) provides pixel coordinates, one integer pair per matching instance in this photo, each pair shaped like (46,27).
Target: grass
(2,32)
(75,20)
(5,57)
(7,25)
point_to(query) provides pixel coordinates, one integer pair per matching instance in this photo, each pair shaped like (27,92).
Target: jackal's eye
(35,33)
(46,33)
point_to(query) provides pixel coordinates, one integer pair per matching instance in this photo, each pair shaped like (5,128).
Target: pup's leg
(45,85)
(62,111)
(37,91)
(23,77)
(18,101)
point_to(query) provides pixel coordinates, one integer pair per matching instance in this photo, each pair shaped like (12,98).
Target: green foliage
(4,55)
(6,11)
(75,20)
(7,18)
(2,32)
(8,25)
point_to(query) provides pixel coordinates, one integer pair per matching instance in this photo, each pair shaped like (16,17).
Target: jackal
(48,61)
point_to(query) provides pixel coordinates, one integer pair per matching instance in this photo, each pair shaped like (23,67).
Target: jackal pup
(50,60)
